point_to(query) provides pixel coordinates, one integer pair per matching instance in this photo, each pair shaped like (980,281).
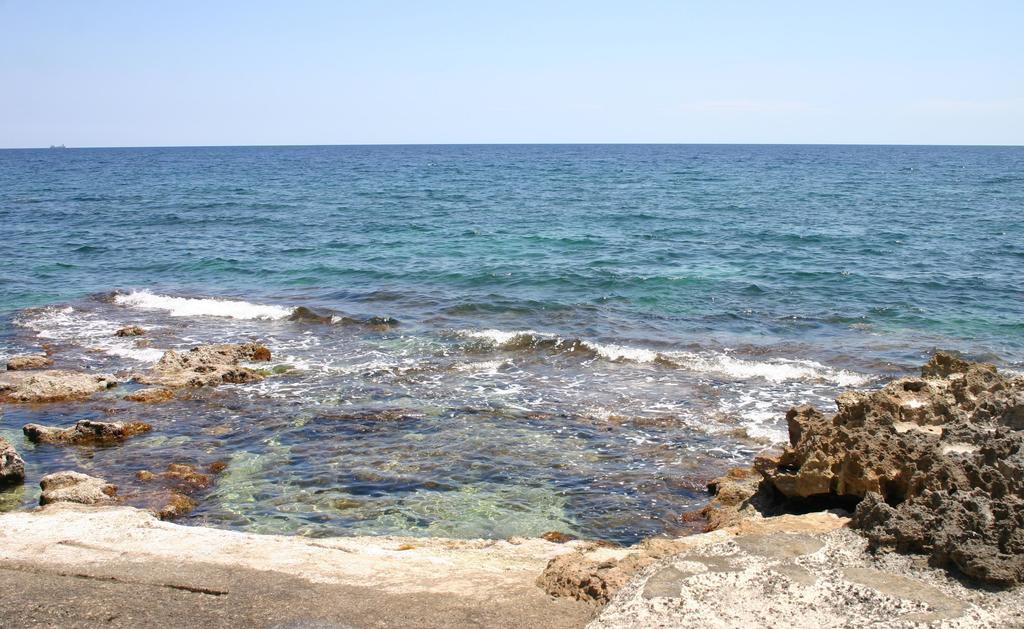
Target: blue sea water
(585,333)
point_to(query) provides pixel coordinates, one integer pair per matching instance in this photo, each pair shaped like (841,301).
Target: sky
(105,73)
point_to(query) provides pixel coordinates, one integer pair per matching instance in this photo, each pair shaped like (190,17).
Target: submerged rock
(24,362)
(150,395)
(130,330)
(308,315)
(208,365)
(84,432)
(76,487)
(933,464)
(175,486)
(51,385)
(12,466)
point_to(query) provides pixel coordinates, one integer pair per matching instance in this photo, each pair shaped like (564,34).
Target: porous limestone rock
(24,362)
(76,487)
(85,431)
(12,466)
(51,385)
(207,365)
(935,462)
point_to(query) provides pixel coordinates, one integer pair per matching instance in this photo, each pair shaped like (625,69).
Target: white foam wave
(773,369)
(622,352)
(501,337)
(86,330)
(197,307)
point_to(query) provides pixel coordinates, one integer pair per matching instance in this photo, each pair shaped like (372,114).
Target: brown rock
(936,463)
(183,477)
(131,330)
(150,395)
(177,505)
(577,576)
(84,432)
(207,365)
(12,466)
(558,537)
(76,487)
(28,361)
(51,385)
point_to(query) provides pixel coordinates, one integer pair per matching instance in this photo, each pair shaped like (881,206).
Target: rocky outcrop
(25,362)
(208,365)
(85,431)
(150,395)
(76,487)
(933,464)
(595,571)
(12,466)
(51,385)
(130,330)
(801,580)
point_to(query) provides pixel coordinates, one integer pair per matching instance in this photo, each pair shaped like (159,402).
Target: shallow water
(585,334)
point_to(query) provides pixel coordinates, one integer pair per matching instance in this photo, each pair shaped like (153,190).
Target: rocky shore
(904,507)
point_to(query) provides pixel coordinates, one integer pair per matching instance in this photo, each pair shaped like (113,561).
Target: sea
(494,341)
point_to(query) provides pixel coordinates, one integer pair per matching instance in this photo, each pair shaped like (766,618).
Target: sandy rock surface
(51,385)
(207,365)
(28,361)
(802,579)
(75,487)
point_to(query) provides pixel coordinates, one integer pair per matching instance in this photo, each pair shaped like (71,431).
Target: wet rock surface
(24,362)
(51,385)
(76,487)
(208,365)
(130,330)
(150,395)
(12,466)
(173,490)
(85,432)
(932,464)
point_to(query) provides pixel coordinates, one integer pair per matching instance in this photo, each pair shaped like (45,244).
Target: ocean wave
(68,325)
(199,306)
(711,362)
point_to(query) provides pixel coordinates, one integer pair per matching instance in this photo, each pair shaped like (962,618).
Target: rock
(575,575)
(150,395)
(177,506)
(84,432)
(172,497)
(24,362)
(737,497)
(558,537)
(130,330)
(207,365)
(800,580)
(308,315)
(76,487)
(51,385)
(932,464)
(12,466)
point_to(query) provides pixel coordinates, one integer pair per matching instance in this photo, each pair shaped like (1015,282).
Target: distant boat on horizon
(57,146)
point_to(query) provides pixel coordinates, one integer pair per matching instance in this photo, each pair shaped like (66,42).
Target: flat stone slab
(803,580)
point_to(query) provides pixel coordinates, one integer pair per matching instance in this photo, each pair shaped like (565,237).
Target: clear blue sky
(136,73)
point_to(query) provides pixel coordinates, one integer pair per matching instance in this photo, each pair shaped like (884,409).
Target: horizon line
(405,144)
